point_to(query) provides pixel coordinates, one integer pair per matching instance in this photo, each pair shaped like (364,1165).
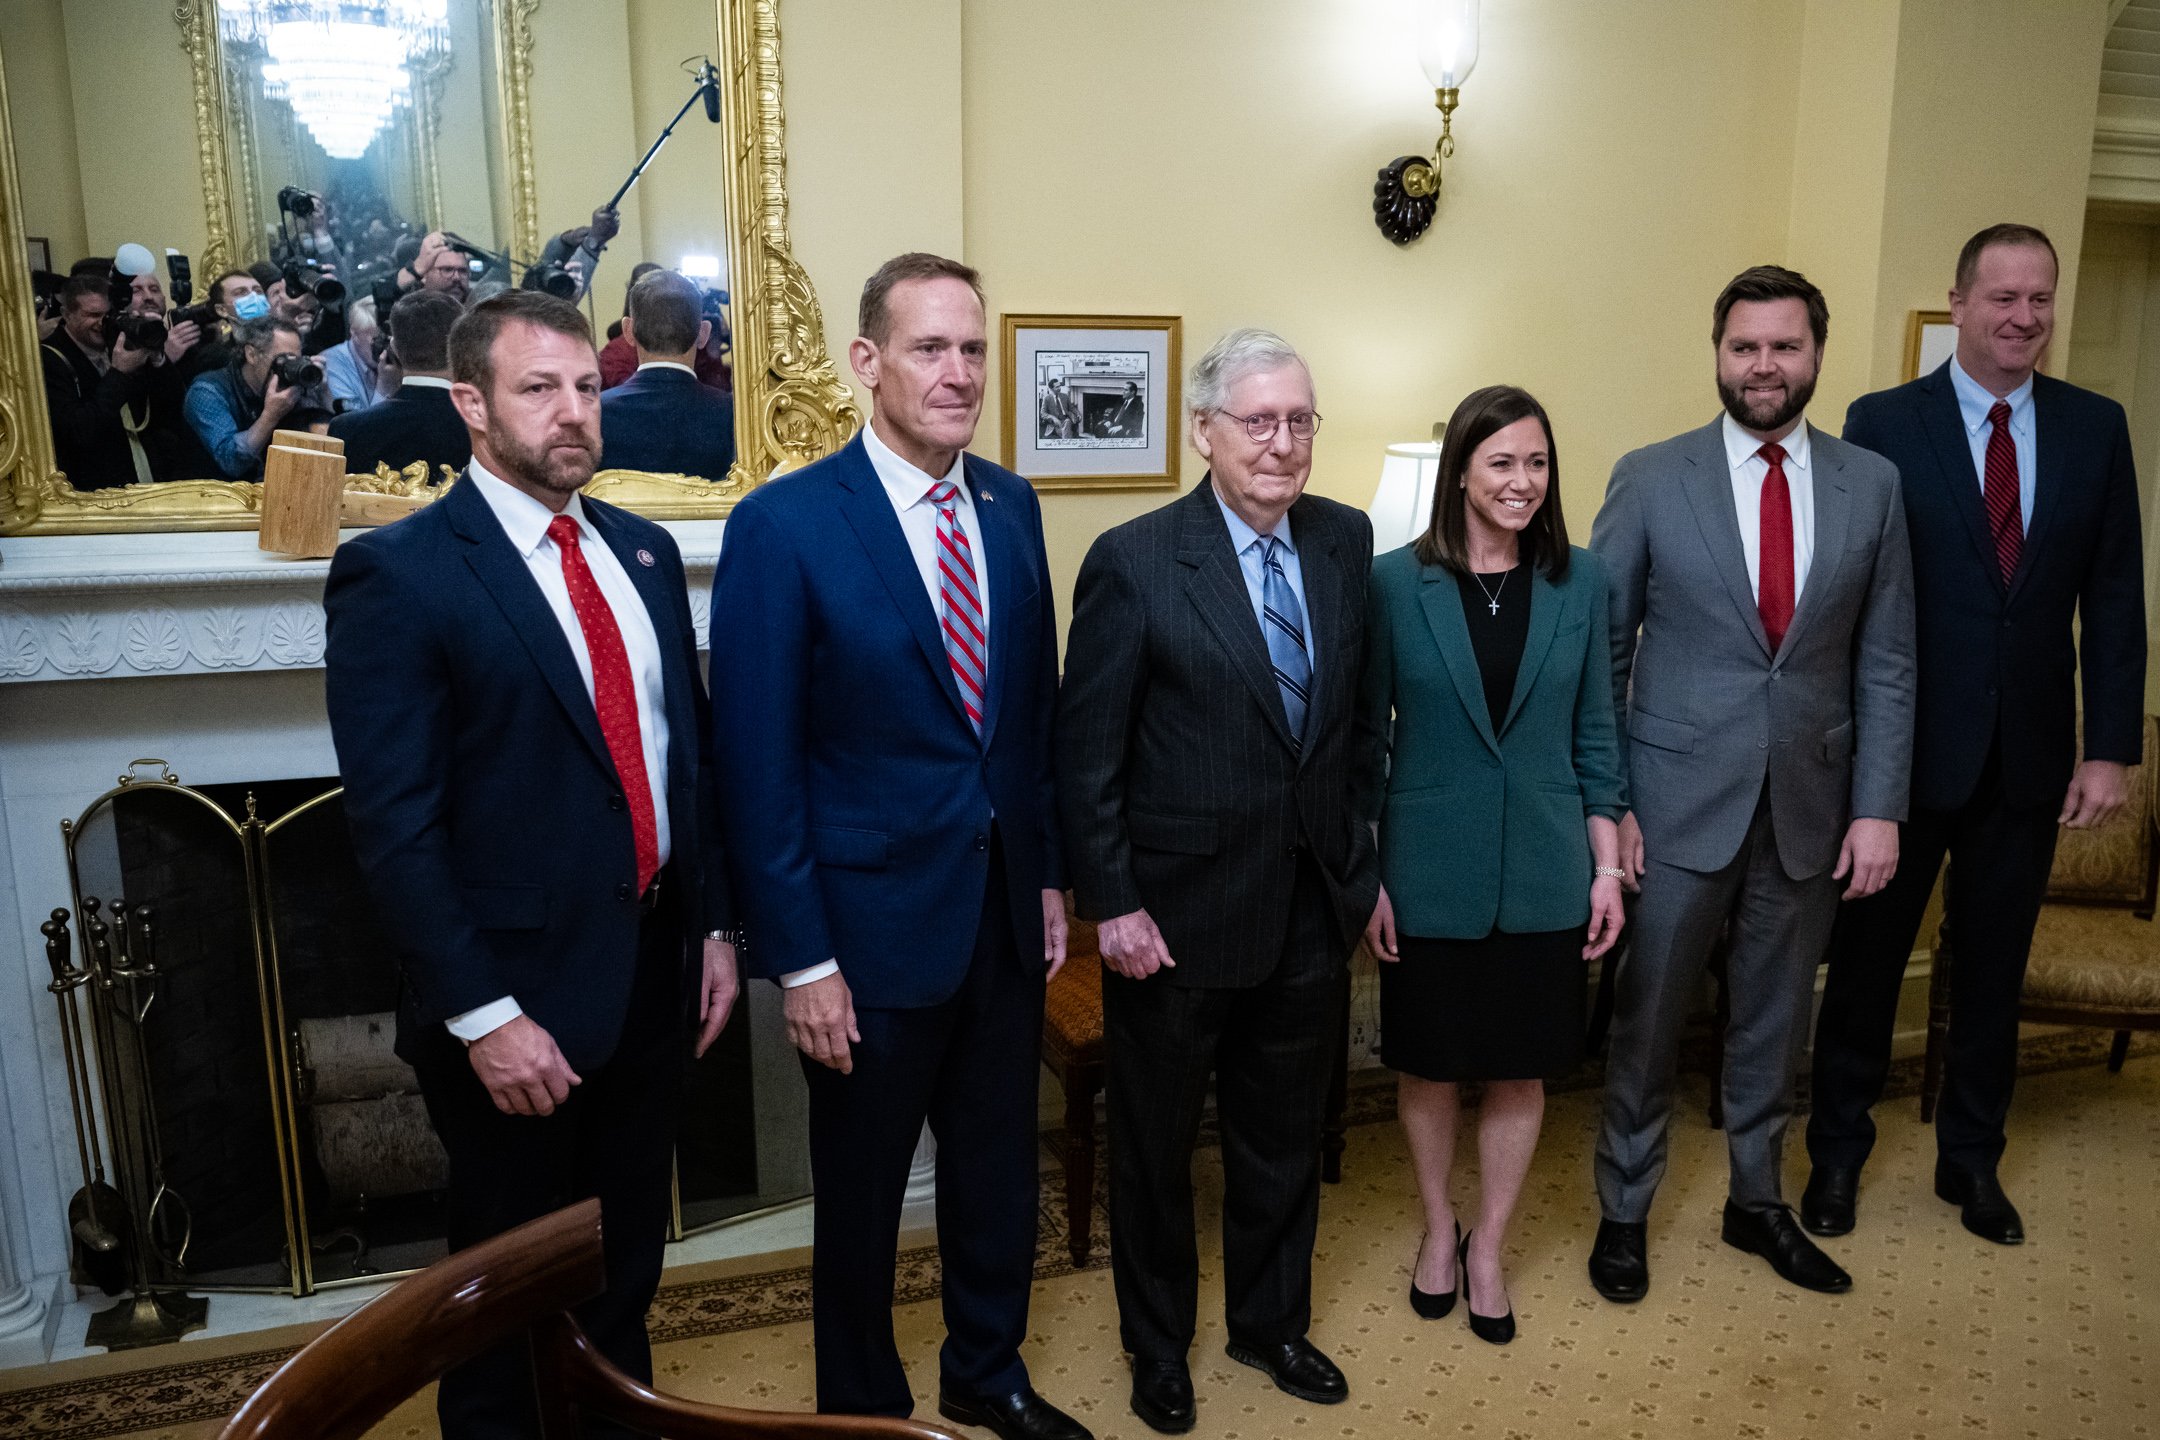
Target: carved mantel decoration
(791,405)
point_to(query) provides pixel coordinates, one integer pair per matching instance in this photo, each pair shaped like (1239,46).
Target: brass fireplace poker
(97,1217)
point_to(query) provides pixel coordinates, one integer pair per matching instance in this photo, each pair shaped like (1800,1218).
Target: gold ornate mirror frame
(790,405)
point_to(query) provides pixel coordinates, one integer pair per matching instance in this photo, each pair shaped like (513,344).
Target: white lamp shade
(1447,40)
(1403,504)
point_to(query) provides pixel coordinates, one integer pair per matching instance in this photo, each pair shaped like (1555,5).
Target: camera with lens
(181,288)
(143,332)
(45,288)
(556,280)
(295,372)
(306,277)
(300,203)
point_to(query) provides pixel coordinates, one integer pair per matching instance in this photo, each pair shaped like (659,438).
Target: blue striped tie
(1285,630)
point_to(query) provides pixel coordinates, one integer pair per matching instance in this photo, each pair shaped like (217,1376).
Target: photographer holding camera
(96,385)
(352,368)
(267,386)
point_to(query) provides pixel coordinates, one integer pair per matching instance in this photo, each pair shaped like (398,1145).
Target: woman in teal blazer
(1493,772)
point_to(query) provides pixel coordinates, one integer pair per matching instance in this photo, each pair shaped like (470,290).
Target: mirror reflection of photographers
(267,386)
(113,385)
(352,368)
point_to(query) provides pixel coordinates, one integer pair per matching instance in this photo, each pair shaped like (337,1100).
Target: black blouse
(1497,634)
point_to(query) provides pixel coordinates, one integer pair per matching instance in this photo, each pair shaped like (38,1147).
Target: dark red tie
(2006,516)
(614,696)
(1774,573)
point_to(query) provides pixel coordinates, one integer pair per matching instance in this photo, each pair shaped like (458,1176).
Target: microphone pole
(708,90)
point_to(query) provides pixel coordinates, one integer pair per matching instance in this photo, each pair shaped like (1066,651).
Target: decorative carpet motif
(1942,1334)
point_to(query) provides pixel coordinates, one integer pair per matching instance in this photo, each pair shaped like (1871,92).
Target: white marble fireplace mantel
(85,607)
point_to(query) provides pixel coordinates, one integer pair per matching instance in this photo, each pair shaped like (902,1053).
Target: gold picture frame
(1098,366)
(790,403)
(1923,335)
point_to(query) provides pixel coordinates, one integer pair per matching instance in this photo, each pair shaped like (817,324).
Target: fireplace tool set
(116,1231)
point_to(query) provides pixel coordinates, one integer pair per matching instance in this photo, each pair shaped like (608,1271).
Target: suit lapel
(1708,486)
(1833,517)
(1001,563)
(1544,624)
(1216,586)
(1953,456)
(504,574)
(1320,564)
(2050,465)
(869,513)
(1440,597)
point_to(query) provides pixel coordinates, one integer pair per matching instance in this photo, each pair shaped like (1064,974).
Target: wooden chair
(2095,953)
(1072,1048)
(521,1283)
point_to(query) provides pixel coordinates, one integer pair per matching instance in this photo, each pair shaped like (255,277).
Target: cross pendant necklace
(1492,593)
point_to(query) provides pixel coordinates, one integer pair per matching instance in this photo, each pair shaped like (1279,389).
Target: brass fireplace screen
(227,1001)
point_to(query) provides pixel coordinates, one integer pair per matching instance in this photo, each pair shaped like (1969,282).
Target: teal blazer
(1482,830)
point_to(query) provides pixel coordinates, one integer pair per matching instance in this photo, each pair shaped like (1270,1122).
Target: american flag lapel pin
(987,497)
(645,558)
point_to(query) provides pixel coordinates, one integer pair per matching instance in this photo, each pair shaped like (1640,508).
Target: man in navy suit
(662,418)
(884,694)
(513,688)
(418,422)
(2021,497)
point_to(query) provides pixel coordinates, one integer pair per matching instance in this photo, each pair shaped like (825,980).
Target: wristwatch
(730,936)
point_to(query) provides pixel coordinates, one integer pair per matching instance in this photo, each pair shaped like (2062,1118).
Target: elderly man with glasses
(1205,747)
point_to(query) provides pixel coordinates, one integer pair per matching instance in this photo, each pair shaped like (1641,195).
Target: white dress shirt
(525,520)
(667,365)
(908,487)
(1748,470)
(1974,402)
(438,382)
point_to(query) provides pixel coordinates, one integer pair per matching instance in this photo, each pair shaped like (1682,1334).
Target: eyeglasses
(1303,425)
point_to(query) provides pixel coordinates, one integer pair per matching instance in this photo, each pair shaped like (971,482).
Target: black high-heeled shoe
(1492,1329)
(1431,1306)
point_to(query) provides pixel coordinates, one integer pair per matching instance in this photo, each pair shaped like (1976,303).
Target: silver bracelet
(1609,872)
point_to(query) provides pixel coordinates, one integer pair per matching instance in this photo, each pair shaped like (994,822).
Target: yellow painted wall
(33,46)
(678,200)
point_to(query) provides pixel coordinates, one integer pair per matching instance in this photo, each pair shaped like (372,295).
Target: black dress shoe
(1827,1205)
(1620,1262)
(1022,1415)
(1986,1211)
(1162,1395)
(1432,1305)
(1773,1235)
(1297,1367)
(1492,1329)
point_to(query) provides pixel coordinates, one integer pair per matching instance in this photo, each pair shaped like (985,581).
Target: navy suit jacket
(417,422)
(1998,658)
(857,798)
(667,422)
(484,808)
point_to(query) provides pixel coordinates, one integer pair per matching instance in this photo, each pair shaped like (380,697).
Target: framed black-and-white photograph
(1091,401)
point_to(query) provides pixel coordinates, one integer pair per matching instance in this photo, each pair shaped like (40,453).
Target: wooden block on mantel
(303,494)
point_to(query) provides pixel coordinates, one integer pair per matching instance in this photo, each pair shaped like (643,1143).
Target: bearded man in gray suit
(1762,635)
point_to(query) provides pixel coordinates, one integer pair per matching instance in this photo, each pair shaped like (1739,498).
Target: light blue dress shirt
(1974,402)
(1246,542)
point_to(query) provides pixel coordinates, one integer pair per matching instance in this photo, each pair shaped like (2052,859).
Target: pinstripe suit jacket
(1179,785)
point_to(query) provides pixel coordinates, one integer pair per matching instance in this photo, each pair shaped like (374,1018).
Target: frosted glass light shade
(1402,504)
(1447,40)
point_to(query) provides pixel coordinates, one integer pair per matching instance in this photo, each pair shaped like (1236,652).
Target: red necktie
(1774,582)
(614,696)
(2006,516)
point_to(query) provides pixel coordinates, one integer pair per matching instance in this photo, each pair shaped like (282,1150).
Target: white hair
(361,311)
(1245,351)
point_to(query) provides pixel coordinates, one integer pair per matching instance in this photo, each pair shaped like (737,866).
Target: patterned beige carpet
(1942,1335)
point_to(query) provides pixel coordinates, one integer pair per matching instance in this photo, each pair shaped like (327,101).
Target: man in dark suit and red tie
(512,680)
(2021,495)
(885,686)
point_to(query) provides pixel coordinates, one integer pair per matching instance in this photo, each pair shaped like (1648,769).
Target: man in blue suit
(513,689)
(885,687)
(2021,495)
(662,418)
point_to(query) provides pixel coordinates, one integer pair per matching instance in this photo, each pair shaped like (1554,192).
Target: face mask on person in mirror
(251,307)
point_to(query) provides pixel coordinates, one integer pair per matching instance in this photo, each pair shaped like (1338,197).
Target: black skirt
(1507,1007)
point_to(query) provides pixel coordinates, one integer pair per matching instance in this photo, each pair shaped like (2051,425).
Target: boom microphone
(709,79)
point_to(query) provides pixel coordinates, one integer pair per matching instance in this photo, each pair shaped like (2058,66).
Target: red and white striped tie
(960,612)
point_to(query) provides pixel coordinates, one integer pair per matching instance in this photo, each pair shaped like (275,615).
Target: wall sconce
(1408,190)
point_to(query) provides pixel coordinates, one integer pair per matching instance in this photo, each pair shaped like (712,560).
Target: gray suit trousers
(1780,929)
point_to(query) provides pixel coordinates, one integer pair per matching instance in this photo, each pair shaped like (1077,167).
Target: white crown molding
(114,607)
